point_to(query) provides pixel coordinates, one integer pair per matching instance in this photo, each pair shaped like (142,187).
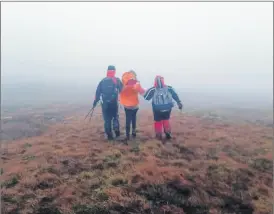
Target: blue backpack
(109,90)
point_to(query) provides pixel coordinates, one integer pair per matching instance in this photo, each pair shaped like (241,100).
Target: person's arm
(175,97)
(139,88)
(149,93)
(97,94)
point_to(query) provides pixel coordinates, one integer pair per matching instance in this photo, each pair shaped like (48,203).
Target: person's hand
(137,86)
(180,106)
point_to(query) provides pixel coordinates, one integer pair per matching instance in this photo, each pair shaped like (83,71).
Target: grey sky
(228,46)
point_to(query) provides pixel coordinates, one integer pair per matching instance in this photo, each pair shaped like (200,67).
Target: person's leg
(115,119)
(134,116)
(107,121)
(104,113)
(128,121)
(157,124)
(166,124)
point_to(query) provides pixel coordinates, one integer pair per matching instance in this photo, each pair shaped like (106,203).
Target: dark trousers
(111,117)
(130,120)
(159,115)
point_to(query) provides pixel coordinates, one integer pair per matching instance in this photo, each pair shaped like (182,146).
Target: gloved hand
(180,106)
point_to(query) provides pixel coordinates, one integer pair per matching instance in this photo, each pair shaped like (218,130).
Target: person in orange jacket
(129,99)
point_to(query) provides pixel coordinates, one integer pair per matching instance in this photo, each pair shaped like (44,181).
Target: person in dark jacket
(162,103)
(108,91)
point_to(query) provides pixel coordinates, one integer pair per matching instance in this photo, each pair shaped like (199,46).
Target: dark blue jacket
(99,90)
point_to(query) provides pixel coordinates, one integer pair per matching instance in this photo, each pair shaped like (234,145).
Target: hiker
(129,99)
(108,91)
(162,105)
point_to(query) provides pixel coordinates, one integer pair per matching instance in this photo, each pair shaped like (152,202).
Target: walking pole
(91,110)
(91,114)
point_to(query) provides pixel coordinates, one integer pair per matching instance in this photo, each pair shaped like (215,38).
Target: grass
(118,181)
(86,175)
(48,210)
(28,157)
(135,149)
(12,182)
(101,195)
(27,145)
(263,164)
(112,160)
(206,168)
(9,199)
(90,209)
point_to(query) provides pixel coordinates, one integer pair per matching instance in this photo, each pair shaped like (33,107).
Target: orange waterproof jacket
(129,94)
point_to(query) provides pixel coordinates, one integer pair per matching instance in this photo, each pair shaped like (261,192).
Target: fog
(209,52)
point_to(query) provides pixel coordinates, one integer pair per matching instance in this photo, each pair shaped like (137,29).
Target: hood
(129,78)
(159,82)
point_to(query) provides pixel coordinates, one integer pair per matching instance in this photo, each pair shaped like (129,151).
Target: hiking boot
(126,140)
(117,133)
(159,136)
(133,134)
(110,137)
(168,136)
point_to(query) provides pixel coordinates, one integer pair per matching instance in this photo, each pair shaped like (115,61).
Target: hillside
(211,166)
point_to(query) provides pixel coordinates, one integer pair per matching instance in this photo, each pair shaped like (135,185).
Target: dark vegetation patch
(173,193)
(134,206)
(12,182)
(263,164)
(212,154)
(9,199)
(90,209)
(28,157)
(48,209)
(119,181)
(102,196)
(112,161)
(185,152)
(46,206)
(236,205)
(73,166)
(27,145)
(135,149)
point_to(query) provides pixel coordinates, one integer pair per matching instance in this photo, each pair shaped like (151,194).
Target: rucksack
(109,90)
(162,99)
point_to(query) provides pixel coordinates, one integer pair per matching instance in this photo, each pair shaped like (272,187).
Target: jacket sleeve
(97,94)
(137,87)
(149,93)
(174,94)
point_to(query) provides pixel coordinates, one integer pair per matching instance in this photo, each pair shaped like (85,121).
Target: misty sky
(228,46)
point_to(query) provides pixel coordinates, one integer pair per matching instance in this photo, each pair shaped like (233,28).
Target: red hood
(159,82)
